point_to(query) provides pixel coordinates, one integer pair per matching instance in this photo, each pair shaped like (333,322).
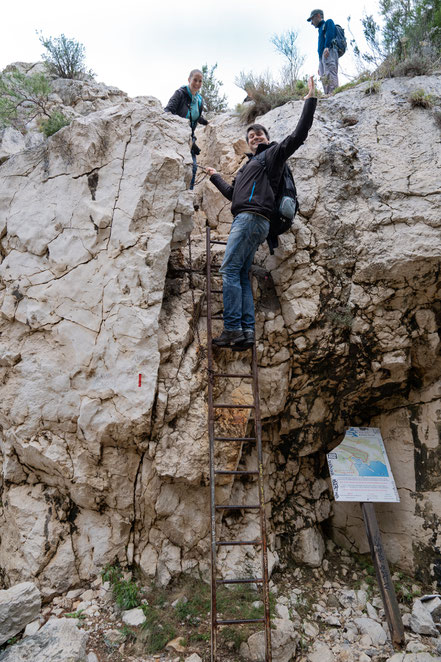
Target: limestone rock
(103,416)
(133,617)
(60,640)
(19,606)
(433,606)
(284,640)
(375,631)
(412,657)
(321,653)
(421,620)
(176,645)
(31,628)
(309,547)
(355,599)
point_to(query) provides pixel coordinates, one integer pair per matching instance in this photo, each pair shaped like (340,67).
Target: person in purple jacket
(328,55)
(252,195)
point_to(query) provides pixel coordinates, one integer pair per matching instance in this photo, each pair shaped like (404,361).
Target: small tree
(213,100)
(285,44)
(409,40)
(22,98)
(64,58)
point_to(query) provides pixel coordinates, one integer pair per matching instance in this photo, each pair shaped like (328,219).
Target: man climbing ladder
(252,195)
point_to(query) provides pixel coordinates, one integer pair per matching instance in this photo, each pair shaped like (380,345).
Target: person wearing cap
(328,55)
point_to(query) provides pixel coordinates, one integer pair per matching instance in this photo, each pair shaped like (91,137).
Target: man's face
(315,20)
(255,138)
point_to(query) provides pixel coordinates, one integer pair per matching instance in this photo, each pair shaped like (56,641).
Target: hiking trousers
(328,71)
(247,232)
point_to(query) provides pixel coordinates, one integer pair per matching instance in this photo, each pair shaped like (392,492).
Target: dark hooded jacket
(253,188)
(327,34)
(180,103)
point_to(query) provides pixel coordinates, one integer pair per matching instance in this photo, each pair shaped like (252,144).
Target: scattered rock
(282,611)
(31,628)
(412,657)
(373,629)
(309,547)
(133,617)
(433,606)
(60,640)
(284,640)
(19,605)
(176,645)
(421,620)
(354,599)
(321,653)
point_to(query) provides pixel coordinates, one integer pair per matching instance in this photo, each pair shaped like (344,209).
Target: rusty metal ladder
(214,472)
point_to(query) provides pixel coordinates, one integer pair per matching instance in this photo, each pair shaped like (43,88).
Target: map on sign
(360,469)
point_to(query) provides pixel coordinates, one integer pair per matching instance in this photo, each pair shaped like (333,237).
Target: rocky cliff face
(103,410)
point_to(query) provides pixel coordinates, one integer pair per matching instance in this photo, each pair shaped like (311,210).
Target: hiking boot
(248,341)
(229,338)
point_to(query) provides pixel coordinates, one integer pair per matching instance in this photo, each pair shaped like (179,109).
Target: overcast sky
(149,47)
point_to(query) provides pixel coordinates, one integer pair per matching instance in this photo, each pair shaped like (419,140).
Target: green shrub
(22,98)
(76,614)
(362,78)
(54,123)
(125,592)
(416,65)
(373,87)
(420,99)
(156,632)
(264,93)
(64,58)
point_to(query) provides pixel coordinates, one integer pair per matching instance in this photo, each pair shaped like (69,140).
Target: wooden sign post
(360,471)
(384,579)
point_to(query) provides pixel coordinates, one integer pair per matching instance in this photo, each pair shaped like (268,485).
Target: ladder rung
(240,620)
(216,241)
(238,542)
(240,581)
(217,317)
(216,291)
(226,374)
(221,472)
(223,406)
(238,507)
(234,438)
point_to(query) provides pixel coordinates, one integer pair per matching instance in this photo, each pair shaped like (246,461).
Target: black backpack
(339,41)
(285,205)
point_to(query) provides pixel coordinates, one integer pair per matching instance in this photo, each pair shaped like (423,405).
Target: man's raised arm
(283,150)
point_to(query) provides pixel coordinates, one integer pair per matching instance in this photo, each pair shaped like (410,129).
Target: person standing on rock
(327,50)
(187,102)
(252,196)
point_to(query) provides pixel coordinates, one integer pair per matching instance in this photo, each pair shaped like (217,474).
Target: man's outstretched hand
(210,171)
(311,88)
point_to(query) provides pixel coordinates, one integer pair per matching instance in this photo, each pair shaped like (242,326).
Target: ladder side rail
(212,460)
(264,550)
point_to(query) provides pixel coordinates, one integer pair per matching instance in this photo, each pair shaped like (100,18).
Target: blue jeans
(247,232)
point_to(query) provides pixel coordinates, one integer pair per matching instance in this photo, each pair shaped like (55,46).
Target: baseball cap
(315,11)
